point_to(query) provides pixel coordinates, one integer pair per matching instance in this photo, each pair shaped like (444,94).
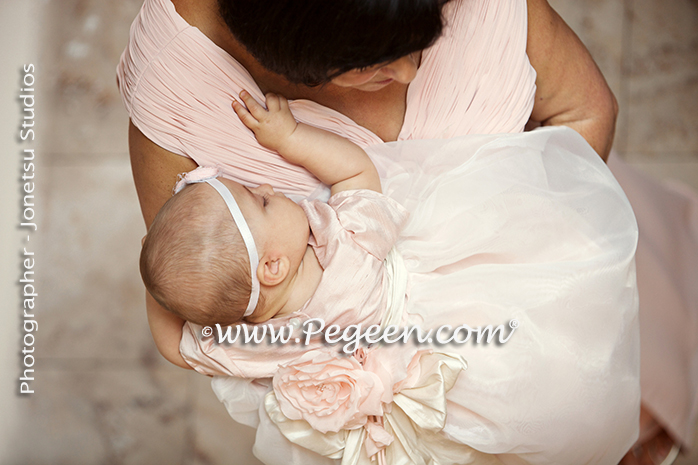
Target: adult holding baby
(370,71)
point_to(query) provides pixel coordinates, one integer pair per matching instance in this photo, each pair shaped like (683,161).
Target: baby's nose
(266,189)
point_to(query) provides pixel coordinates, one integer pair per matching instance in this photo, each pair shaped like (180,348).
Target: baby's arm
(334,160)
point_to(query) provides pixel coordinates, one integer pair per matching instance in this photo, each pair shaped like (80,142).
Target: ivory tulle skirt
(529,227)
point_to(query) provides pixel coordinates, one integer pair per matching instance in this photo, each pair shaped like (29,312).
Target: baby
(529,229)
(212,257)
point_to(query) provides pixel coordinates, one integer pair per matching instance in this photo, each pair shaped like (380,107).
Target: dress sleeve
(247,350)
(369,219)
(178,86)
(203,355)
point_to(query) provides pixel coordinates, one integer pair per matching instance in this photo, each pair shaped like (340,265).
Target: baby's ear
(273,270)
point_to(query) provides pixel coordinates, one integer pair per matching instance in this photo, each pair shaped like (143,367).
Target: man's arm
(571,90)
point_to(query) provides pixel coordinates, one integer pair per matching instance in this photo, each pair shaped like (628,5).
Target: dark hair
(312,41)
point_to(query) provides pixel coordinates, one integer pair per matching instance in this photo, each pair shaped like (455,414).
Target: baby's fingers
(253,106)
(276,102)
(244,115)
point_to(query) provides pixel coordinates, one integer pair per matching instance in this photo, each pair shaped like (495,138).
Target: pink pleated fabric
(177,87)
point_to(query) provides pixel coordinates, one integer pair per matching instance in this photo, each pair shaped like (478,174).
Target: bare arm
(154,173)
(166,329)
(334,160)
(571,90)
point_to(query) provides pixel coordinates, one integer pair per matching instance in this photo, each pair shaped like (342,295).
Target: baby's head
(216,249)
(194,261)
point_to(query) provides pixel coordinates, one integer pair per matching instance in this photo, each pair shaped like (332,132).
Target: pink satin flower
(330,392)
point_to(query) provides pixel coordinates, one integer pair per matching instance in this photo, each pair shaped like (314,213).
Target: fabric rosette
(371,405)
(329,392)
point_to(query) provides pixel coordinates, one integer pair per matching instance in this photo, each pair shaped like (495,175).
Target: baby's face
(274,220)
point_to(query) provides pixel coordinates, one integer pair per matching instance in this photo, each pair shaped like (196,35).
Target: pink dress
(177,87)
(528,227)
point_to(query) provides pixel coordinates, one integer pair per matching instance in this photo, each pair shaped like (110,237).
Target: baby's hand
(272,126)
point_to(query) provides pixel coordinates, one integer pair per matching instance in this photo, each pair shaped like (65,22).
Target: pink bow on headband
(200,174)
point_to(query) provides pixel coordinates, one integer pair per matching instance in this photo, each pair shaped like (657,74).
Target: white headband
(209,175)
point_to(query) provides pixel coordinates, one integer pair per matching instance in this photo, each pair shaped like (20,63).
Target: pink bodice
(177,86)
(352,235)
